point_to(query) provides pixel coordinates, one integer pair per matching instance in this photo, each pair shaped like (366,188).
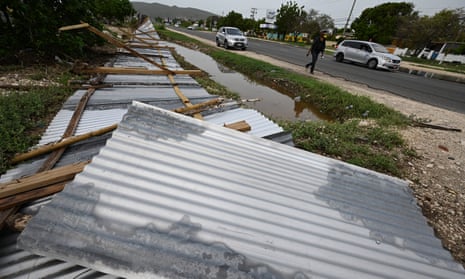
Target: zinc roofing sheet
(181,80)
(106,107)
(123,96)
(17,263)
(261,126)
(156,55)
(173,197)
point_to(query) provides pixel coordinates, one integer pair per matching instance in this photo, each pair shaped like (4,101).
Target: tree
(446,25)
(250,25)
(315,22)
(232,19)
(290,18)
(32,26)
(113,11)
(381,22)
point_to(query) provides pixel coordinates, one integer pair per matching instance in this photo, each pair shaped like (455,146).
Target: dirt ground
(437,177)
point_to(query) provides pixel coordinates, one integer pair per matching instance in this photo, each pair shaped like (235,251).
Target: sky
(338,9)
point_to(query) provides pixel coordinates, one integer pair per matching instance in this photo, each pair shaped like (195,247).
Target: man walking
(318,45)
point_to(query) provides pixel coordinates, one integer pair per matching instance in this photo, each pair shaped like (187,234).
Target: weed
(375,148)
(23,118)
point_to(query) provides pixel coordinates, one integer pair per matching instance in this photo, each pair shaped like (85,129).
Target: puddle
(272,103)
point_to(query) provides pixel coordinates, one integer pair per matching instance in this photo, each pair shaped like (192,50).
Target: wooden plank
(143,40)
(122,45)
(437,127)
(134,71)
(41,179)
(20,198)
(135,45)
(73,27)
(199,106)
(72,126)
(65,142)
(148,34)
(113,41)
(178,92)
(241,126)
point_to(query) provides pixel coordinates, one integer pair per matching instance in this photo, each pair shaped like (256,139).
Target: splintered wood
(242,126)
(18,191)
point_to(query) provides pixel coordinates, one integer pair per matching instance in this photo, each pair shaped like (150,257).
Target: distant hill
(154,10)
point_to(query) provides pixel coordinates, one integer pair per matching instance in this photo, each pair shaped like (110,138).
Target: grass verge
(434,64)
(24,115)
(363,132)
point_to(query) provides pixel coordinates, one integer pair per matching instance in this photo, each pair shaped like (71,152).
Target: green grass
(24,115)
(371,147)
(451,67)
(376,145)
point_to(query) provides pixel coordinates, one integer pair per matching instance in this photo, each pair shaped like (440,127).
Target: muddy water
(272,103)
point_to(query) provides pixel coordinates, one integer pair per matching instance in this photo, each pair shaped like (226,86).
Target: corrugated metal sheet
(106,107)
(262,126)
(123,96)
(78,152)
(16,263)
(174,197)
(91,120)
(226,205)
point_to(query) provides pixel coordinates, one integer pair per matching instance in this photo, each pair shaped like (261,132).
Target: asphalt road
(440,93)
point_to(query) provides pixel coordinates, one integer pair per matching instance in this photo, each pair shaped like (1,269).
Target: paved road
(440,93)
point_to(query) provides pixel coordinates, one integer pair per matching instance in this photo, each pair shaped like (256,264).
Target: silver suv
(371,54)
(231,37)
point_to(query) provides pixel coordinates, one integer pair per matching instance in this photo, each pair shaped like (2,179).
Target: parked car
(231,37)
(368,53)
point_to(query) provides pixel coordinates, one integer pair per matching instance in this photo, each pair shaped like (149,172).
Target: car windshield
(379,48)
(232,31)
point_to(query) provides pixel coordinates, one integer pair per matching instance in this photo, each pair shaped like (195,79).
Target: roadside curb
(423,72)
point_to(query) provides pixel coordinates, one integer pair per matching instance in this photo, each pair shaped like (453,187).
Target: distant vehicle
(190,27)
(368,53)
(231,37)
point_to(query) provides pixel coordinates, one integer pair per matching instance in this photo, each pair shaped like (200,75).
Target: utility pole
(347,22)
(253,12)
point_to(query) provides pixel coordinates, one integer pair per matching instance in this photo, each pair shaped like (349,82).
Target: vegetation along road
(440,93)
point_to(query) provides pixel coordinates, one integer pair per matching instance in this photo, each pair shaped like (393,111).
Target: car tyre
(340,57)
(218,42)
(244,48)
(225,44)
(372,63)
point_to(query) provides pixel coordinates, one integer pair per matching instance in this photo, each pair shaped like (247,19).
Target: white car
(231,37)
(368,53)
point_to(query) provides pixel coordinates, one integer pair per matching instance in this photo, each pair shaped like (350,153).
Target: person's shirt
(319,44)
